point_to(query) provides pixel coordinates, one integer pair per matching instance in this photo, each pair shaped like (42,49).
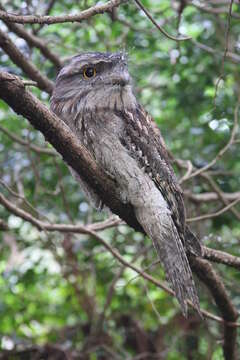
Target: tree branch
(208,276)
(19,59)
(210,254)
(12,91)
(33,147)
(212,10)
(34,41)
(210,196)
(220,194)
(221,257)
(60,136)
(91,230)
(147,13)
(235,58)
(215,214)
(86,14)
(224,149)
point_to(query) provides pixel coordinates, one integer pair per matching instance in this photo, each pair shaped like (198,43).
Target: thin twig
(23,63)
(225,50)
(46,226)
(235,58)
(212,10)
(217,213)
(156,282)
(110,293)
(221,257)
(35,148)
(147,13)
(210,196)
(188,172)
(224,149)
(30,83)
(22,198)
(218,191)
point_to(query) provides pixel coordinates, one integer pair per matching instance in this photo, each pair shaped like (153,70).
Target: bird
(94,96)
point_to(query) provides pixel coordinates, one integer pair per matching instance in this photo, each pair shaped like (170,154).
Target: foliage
(54,286)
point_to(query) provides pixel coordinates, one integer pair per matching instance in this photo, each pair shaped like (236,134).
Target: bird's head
(93,81)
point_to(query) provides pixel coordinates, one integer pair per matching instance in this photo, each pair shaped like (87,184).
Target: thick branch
(208,276)
(221,257)
(12,91)
(49,7)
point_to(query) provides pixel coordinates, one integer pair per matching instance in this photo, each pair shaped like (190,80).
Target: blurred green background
(53,287)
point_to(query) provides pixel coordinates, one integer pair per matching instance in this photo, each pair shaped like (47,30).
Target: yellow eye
(89,72)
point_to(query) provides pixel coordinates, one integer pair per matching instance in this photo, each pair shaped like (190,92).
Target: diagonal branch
(33,147)
(12,91)
(224,149)
(235,58)
(207,275)
(147,13)
(215,214)
(27,66)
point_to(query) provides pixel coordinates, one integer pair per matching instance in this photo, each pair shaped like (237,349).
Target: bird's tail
(172,254)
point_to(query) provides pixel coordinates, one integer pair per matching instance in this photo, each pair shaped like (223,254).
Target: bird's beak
(121,79)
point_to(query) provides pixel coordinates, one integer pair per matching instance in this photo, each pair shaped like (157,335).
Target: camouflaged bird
(94,97)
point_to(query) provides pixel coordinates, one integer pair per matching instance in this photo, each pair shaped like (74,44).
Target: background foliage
(54,287)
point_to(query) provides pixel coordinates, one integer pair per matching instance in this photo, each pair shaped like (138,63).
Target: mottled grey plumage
(102,110)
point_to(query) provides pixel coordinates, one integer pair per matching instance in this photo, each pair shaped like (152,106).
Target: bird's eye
(89,72)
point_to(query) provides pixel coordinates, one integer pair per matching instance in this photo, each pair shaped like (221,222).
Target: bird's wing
(105,142)
(145,143)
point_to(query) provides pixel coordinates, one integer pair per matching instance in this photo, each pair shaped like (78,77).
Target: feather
(127,144)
